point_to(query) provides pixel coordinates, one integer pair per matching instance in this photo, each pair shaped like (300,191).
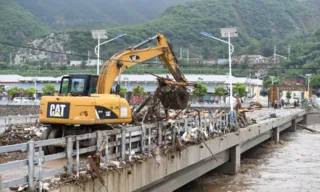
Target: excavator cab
(78,85)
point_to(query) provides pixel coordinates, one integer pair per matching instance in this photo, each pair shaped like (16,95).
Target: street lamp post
(35,86)
(227,33)
(102,34)
(126,79)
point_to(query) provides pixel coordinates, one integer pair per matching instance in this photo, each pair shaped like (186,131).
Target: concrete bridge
(179,168)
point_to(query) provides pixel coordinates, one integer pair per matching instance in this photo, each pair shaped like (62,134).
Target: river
(293,165)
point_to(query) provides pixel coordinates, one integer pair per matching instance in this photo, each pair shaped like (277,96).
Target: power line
(182,66)
(40,49)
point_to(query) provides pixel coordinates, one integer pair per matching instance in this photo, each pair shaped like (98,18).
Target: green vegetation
(261,24)
(239,90)
(13,91)
(288,95)
(268,81)
(200,90)
(48,89)
(219,91)
(123,91)
(305,54)
(17,26)
(315,81)
(138,90)
(95,14)
(29,91)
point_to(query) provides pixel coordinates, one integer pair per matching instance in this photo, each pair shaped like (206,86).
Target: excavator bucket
(174,97)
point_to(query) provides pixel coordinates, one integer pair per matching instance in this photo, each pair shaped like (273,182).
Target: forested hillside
(88,14)
(305,54)
(261,25)
(18,25)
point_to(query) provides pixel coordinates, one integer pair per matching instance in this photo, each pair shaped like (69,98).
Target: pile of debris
(21,133)
(17,134)
(7,110)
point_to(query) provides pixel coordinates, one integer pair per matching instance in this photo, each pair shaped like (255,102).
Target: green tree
(288,95)
(219,91)
(138,90)
(123,90)
(83,64)
(239,89)
(29,91)
(64,88)
(63,67)
(200,90)
(13,91)
(315,81)
(48,89)
(268,81)
(254,47)
(206,53)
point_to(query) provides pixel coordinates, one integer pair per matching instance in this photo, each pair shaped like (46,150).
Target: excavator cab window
(78,85)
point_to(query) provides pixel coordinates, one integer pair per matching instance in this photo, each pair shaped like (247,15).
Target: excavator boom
(118,63)
(84,103)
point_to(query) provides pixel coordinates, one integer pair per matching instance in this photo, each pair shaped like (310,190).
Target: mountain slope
(267,21)
(18,25)
(62,14)
(261,25)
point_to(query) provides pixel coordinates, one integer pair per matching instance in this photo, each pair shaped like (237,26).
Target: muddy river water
(293,165)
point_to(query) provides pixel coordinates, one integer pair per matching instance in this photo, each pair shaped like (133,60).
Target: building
(129,81)
(251,59)
(277,58)
(90,63)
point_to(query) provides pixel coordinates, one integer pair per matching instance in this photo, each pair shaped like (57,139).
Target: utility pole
(88,57)
(274,54)
(289,52)
(10,59)
(187,55)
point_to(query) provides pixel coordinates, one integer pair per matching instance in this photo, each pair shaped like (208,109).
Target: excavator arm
(118,63)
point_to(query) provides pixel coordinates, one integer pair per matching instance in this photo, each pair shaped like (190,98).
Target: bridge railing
(17,119)
(119,144)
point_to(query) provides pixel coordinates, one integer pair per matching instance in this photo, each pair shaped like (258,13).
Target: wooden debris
(309,129)
(95,169)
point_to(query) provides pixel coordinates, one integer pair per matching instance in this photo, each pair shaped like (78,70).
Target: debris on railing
(21,133)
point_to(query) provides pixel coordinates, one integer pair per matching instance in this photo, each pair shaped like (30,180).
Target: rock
(114,164)
(45,186)
(21,188)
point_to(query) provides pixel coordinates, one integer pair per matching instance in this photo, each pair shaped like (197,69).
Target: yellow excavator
(85,104)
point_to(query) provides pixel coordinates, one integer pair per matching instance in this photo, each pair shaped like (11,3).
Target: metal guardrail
(12,103)
(140,139)
(12,120)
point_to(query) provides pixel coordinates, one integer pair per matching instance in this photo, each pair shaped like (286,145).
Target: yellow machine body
(94,109)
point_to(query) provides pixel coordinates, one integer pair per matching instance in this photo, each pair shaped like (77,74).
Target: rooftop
(219,79)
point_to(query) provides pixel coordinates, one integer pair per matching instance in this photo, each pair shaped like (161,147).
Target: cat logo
(134,57)
(58,110)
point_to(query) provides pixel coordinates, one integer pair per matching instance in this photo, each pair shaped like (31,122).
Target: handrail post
(69,155)
(99,139)
(40,168)
(31,165)
(123,143)
(107,151)
(77,156)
